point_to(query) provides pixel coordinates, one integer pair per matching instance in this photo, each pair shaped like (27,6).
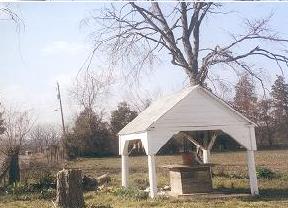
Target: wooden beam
(190,138)
(212,141)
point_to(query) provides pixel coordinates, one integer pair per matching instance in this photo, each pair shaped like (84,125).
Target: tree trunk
(69,189)
(14,169)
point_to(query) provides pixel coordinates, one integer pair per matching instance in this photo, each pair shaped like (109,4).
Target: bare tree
(90,88)
(17,126)
(140,99)
(2,128)
(137,32)
(7,14)
(42,136)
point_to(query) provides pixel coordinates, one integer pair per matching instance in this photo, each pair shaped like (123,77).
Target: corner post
(125,170)
(252,173)
(152,176)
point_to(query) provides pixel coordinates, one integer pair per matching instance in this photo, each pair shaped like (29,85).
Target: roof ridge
(163,100)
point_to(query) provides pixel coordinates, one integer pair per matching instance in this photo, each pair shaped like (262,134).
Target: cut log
(104,179)
(69,189)
(89,183)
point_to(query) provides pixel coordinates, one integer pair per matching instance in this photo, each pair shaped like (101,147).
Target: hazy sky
(52,47)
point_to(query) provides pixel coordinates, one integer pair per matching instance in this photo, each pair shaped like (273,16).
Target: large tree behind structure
(134,33)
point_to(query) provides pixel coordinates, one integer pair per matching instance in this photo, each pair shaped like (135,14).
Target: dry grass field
(230,173)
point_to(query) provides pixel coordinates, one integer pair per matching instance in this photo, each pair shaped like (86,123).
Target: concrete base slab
(211,195)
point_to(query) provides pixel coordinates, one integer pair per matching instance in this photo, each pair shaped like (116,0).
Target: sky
(52,46)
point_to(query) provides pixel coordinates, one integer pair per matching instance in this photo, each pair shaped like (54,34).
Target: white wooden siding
(199,109)
(191,109)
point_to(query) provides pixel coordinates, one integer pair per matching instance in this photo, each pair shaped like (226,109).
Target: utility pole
(64,154)
(61,109)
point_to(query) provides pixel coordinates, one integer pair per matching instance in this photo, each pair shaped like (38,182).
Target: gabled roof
(161,106)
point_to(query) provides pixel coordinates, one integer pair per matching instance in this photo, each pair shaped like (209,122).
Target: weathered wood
(104,179)
(69,189)
(89,183)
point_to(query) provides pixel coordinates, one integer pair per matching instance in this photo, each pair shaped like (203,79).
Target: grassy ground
(230,173)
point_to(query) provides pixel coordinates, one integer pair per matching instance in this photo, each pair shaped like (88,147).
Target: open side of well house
(192,109)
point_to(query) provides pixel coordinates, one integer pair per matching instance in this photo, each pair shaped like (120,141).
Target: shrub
(44,187)
(263,172)
(131,193)
(17,188)
(47,181)
(141,183)
(43,180)
(48,193)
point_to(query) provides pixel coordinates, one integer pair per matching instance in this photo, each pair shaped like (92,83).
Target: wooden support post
(125,170)
(211,143)
(152,176)
(252,173)
(206,152)
(194,142)
(205,156)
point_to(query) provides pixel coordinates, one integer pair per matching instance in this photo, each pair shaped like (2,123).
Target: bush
(47,181)
(43,180)
(263,172)
(44,186)
(141,183)
(131,193)
(17,189)
(47,193)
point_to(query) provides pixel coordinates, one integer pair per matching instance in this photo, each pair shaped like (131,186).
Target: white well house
(192,109)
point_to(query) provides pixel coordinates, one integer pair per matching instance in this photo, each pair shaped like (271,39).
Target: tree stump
(69,189)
